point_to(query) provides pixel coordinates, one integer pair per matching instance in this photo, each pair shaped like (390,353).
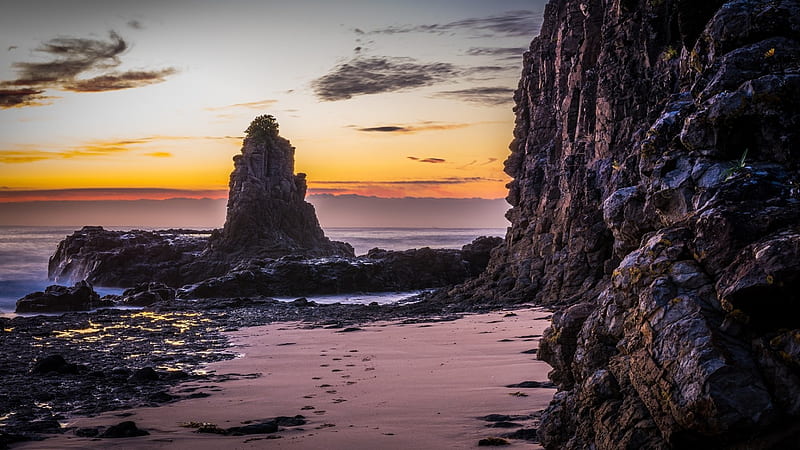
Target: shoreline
(388,384)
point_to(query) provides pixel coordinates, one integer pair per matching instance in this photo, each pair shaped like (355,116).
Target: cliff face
(655,189)
(267,212)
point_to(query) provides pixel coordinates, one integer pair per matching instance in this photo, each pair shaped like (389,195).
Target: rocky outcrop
(267,218)
(267,212)
(55,298)
(655,202)
(377,271)
(146,294)
(127,258)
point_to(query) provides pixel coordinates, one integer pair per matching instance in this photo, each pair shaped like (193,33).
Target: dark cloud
(386,129)
(18,98)
(69,59)
(135,24)
(375,75)
(511,23)
(74,56)
(509,52)
(427,160)
(120,80)
(483,95)
(409,129)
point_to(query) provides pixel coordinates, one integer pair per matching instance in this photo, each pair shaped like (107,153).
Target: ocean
(24,253)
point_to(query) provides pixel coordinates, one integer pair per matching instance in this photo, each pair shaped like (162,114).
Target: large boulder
(56,298)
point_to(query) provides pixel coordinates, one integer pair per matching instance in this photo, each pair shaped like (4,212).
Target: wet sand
(387,385)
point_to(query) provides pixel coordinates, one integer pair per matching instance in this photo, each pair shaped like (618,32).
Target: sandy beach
(384,385)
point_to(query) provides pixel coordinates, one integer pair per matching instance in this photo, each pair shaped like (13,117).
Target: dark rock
(54,364)
(525,434)
(47,425)
(504,425)
(55,298)
(477,253)
(145,374)
(493,442)
(349,329)
(267,212)
(502,418)
(10,438)
(128,258)
(87,432)
(160,397)
(533,385)
(303,303)
(123,430)
(294,421)
(270,426)
(146,294)
(378,271)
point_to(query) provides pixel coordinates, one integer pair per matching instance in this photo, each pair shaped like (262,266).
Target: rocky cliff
(655,194)
(267,212)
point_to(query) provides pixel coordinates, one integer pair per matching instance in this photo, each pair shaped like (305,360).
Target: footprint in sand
(324,365)
(307,408)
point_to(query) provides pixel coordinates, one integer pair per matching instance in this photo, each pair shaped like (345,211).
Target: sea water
(25,251)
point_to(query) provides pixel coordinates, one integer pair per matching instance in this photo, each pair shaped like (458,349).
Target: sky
(114,100)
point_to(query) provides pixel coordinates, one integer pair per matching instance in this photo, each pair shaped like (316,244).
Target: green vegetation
(669,54)
(262,127)
(737,167)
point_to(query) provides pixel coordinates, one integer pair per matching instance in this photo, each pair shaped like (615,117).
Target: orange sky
(407,99)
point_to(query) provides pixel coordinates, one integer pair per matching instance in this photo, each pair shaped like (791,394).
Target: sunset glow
(141,100)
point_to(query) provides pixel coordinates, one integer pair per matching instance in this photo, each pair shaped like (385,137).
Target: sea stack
(267,212)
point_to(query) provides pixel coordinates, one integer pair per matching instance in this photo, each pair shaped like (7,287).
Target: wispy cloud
(120,80)
(427,160)
(261,104)
(98,148)
(375,75)
(71,59)
(20,98)
(512,23)
(410,129)
(135,24)
(13,195)
(483,95)
(505,52)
